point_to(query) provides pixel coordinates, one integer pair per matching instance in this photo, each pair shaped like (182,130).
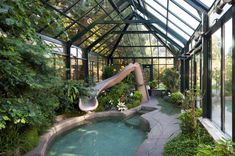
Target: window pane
(228,77)
(216,77)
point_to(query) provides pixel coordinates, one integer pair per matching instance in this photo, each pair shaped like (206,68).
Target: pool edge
(67,124)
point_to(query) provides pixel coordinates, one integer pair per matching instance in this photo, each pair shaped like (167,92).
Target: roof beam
(133,32)
(114,6)
(179,18)
(118,41)
(188,12)
(140,46)
(198,5)
(51,22)
(166,17)
(80,34)
(106,34)
(128,21)
(147,57)
(160,23)
(150,27)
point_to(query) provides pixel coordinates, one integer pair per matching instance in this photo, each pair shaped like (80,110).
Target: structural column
(68,61)
(206,71)
(233,72)
(86,65)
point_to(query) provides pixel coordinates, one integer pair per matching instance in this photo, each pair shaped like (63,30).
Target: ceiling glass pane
(180,24)
(207,2)
(81,8)
(183,15)
(152,11)
(188,7)
(172,26)
(157,6)
(53,29)
(176,40)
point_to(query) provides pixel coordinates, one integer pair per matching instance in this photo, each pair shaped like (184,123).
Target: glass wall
(96,66)
(77,64)
(159,64)
(228,76)
(58,57)
(198,77)
(216,77)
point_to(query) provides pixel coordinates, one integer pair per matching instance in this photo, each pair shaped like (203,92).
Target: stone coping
(214,131)
(67,124)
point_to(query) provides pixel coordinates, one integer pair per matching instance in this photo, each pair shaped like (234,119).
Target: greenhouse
(117,77)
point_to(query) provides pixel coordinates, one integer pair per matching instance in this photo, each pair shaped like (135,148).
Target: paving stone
(163,127)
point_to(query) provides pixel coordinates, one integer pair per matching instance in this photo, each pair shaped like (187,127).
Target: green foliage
(186,123)
(161,86)
(222,148)
(189,118)
(108,72)
(177,98)
(109,98)
(15,140)
(187,144)
(181,145)
(68,92)
(123,92)
(153,84)
(134,99)
(26,78)
(171,78)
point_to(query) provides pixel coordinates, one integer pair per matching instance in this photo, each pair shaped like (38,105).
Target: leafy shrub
(15,140)
(26,77)
(171,78)
(181,145)
(186,123)
(123,92)
(187,144)
(153,84)
(222,148)
(108,72)
(177,98)
(134,99)
(109,98)
(68,92)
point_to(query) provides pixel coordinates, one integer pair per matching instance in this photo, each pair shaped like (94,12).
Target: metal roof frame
(135,5)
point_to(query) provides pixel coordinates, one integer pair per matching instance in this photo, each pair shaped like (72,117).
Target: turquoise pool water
(103,138)
(228,105)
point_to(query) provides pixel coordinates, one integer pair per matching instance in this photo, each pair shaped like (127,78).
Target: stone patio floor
(164,126)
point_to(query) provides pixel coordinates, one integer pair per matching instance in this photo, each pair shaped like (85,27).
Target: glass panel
(188,7)
(207,2)
(156,14)
(54,30)
(198,77)
(183,15)
(216,77)
(92,16)
(81,8)
(180,24)
(159,8)
(176,40)
(183,34)
(60,66)
(228,77)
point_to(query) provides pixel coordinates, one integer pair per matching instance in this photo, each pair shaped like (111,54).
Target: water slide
(92,103)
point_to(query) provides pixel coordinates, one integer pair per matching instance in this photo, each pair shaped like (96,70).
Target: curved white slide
(92,104)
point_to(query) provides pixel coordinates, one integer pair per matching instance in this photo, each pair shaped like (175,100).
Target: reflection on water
(104,138)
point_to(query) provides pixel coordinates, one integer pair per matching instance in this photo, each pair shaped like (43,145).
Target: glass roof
(124,26)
